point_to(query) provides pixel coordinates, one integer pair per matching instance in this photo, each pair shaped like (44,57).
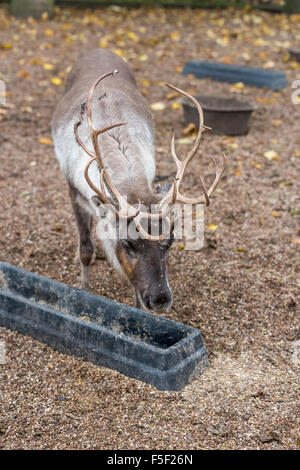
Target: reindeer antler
(182,165)
(119,204)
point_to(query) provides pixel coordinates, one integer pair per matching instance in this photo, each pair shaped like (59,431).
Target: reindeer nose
(161,301)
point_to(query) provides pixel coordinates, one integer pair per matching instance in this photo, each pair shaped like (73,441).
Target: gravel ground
(241,290)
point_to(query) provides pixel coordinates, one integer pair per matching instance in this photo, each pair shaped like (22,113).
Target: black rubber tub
(224,115)
(141,345)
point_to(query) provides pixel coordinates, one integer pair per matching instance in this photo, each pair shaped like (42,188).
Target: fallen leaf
(172,95)
(176,105)
(143,57)
(175,36)
(144,81)
(56,80)
(48,32)
(271,155)
(227,60)
(241,249)
(256,165)
(265,100)
(158,106)
(275,214)
(238,85)
(45,141)
(295,240)
(185,140)
(48,66)
(212,227)
(295,212)
(23,73)
(133,36)
(189,129)
(6,45)
(269,65)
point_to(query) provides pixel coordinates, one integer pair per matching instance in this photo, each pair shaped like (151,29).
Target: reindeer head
(140,255)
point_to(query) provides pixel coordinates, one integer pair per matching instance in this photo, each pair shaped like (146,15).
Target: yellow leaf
(133,36)
(239,85)
(45,141)
(120,53)
(275,214)
(240,248)
(172,95)
(256,165)
(189,129)
(56,80)
(276,122)
(23,73)
(48,66)
(186,140)
(180,246)
(238,172)
(269,65)
(143,57)
(294,65)
(246,56)
(227,60)
(103,43)
(265,100)
(45,16)
(271,155)
(286,57)
(260,42)
(144,81)
(176,105)
(5,45)
(179,68)
(48,32)
(175,36)
(158,106)
(212,227)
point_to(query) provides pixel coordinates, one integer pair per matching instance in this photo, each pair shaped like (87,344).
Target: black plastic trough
(153,349)
(224,115)
(234,73)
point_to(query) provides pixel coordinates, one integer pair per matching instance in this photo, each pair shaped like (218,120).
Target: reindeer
(118,170)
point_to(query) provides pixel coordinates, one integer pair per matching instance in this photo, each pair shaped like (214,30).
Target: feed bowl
(224,115)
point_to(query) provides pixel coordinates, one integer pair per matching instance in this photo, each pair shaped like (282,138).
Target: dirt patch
(241,290)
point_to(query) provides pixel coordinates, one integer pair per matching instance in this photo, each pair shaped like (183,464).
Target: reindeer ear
(96,200)
(163,188)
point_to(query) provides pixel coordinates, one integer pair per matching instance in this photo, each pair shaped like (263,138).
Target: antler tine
(173,151)
(100,194)
(103,174)
(153,238)
(205,198)
(201,129)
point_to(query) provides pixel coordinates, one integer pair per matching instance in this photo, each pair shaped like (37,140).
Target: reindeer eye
(128,246)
